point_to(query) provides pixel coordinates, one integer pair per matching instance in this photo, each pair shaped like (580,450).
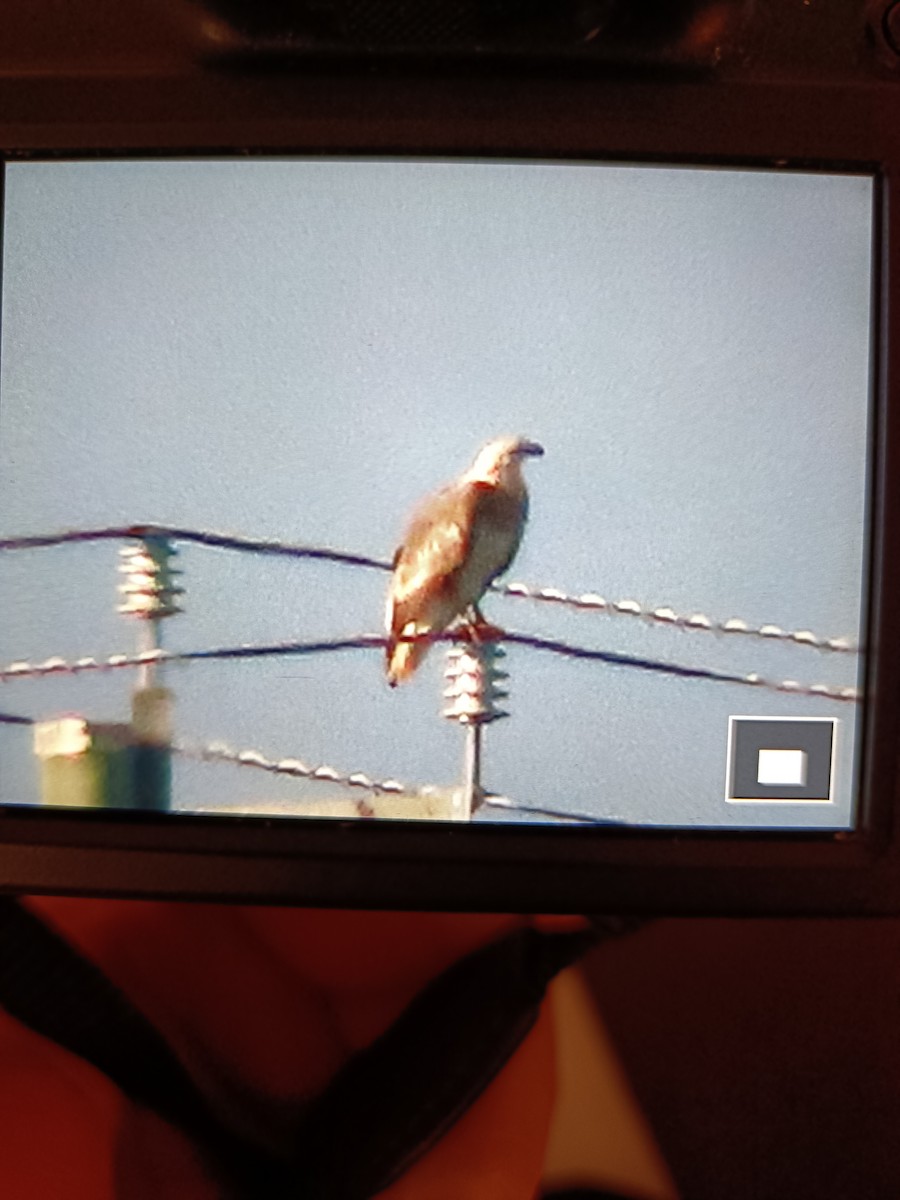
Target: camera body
(780,88)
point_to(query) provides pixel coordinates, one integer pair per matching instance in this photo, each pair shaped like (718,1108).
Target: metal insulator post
(149,593)
(474,686)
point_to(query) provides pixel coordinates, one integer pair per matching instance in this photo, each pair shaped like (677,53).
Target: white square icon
(782,768)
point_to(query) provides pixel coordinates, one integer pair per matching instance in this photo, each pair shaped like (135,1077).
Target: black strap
(51,988)
(381,1112)
(402,1093)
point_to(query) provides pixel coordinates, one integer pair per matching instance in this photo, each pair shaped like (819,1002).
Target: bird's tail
(403,658)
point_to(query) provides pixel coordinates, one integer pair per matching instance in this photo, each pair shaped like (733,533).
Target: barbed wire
(664,615)
(221,752)
(295,767)
(57,665)
(659,615)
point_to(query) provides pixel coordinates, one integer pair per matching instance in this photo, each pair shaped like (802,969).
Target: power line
(219,541)
(659,615)
(57,665)
(507,805)
(613,658)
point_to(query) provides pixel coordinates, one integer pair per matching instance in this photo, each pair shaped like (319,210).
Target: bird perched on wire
(458,541)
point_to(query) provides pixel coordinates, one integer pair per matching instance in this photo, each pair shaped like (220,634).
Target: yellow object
(599,1136)
(430,804)
(84,765)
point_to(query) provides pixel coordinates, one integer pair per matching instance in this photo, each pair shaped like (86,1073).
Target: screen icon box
(782,767)
(780,759)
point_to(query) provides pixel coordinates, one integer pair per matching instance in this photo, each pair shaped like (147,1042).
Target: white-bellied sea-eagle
(458,541)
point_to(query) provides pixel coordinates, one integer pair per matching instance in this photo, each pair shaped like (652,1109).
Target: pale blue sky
(300,349)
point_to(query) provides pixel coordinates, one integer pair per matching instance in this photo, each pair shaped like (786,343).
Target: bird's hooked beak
(529,449)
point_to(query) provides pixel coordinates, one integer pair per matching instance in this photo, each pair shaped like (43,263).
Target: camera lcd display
(230,389)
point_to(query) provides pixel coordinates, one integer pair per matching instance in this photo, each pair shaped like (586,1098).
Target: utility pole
(93,764)
(150,595)
(474,686)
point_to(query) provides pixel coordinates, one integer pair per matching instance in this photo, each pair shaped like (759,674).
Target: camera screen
(452,490)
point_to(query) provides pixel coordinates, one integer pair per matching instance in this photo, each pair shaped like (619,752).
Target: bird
(457,542)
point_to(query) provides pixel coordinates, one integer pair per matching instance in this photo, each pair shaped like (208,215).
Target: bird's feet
(477,630)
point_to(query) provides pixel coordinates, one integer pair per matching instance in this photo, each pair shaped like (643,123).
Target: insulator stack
(475,681)
(149,591)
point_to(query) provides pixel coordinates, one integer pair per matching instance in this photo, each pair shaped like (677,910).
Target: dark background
(766,1053)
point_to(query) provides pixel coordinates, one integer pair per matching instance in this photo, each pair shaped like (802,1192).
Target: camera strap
(399,1095)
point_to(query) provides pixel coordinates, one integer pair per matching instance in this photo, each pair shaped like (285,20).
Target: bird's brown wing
(432,553)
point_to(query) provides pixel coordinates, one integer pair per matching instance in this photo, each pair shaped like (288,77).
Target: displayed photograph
(437,490)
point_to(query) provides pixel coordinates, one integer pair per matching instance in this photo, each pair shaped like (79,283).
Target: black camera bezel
(831,125)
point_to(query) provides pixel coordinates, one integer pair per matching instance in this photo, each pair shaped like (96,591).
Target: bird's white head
(500,461)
